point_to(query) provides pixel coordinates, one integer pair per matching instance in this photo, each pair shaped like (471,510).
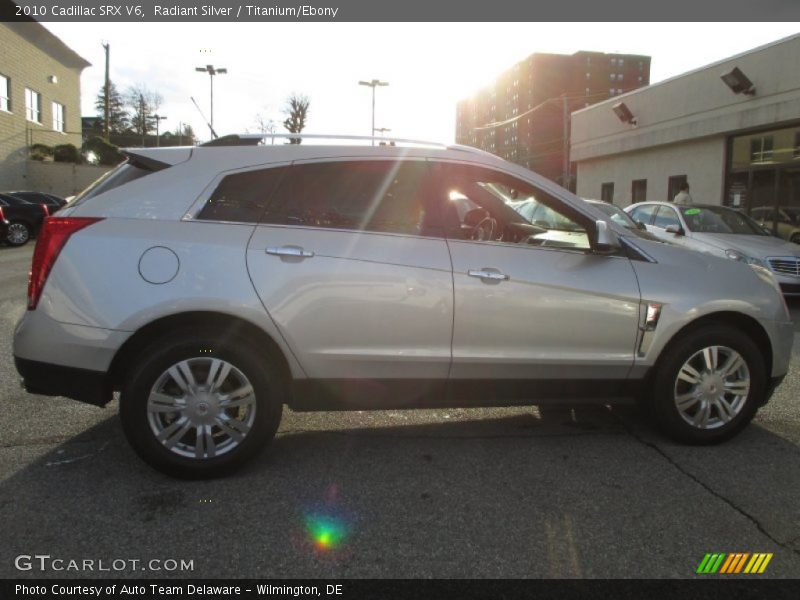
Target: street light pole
(211,70)
(373,84)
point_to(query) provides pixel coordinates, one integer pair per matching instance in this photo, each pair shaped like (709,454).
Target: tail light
(53,235)
(2,216)
(46,210)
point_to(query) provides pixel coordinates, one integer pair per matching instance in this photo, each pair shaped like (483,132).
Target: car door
(528,311)
(351,263)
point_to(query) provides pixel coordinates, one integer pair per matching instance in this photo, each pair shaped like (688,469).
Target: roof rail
(253,139)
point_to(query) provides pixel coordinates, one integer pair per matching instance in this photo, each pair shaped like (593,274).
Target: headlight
(750,260)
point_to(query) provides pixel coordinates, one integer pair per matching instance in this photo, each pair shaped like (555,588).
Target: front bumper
(92,387)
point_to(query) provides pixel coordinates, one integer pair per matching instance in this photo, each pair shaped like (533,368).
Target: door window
(644,213)
(242,197)
(665,217)
(489,206)
(381,196)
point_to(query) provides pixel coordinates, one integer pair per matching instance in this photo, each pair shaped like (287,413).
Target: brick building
(532,102)
(39,96)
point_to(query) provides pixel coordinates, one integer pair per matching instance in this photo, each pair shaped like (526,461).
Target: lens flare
(326,532)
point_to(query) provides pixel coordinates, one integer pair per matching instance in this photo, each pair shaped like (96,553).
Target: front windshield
(718,219)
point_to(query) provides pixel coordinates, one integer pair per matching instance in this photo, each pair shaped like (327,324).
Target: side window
(382,196)
(643,214)
(242,197)
(665,217)
(490,206)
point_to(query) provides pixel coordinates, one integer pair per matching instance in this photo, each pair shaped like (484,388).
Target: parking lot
(586,492)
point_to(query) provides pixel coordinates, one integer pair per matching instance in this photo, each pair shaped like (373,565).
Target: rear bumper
(92,387)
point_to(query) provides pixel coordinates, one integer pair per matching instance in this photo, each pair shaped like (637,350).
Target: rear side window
(242,197)
(382,196)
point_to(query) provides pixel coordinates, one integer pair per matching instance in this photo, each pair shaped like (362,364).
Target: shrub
(67,153)
(107,154)
(40,152)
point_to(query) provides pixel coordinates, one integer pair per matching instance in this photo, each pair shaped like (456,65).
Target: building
(735,146)
(39,96)
(532,101)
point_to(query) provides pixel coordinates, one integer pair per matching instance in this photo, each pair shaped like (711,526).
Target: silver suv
(212,285)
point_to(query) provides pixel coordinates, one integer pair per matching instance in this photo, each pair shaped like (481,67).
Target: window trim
(28,109)
(7,98)
(54,114)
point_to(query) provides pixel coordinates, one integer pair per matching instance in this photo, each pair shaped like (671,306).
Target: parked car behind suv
(212,285)
(53,203)
(24,219)
(785,220)
(723,232)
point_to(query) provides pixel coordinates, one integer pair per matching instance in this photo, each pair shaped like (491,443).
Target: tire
(230,436)
(732,400)
(18,233)
(795,238)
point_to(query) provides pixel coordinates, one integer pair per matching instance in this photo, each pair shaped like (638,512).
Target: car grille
(785,265)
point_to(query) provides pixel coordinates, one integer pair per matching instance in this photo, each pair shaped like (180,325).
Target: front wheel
(708,385)
(199,406)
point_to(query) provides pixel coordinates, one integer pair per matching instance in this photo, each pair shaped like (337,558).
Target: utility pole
(106,107)
(373,84)
(158,119)
(565,150)
(211,70)
(142,118)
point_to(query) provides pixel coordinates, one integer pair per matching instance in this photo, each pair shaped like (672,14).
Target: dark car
(53,203)
(24,219)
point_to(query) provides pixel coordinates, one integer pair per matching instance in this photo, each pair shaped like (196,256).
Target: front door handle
(491,274)
(292,251)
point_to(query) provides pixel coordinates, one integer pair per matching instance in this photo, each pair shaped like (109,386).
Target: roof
(42,38)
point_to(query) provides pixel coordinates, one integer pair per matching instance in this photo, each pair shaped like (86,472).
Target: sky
(429,66)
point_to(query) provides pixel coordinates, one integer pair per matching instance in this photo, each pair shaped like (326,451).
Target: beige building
(39,97)
(737,146)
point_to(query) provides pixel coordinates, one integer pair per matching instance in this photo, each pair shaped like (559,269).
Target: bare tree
(296,111)
(142,103)
(265,125)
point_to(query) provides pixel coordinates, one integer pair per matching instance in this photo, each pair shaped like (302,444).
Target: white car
(723,232)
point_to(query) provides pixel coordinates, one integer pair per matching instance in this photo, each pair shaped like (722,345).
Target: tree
(142,103)
(296,111)
(185,134)
(117,115)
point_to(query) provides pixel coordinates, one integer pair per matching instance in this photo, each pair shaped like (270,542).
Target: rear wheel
(708,385)
(18,234)
(200,405)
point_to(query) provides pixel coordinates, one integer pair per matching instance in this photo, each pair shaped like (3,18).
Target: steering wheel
(484,230)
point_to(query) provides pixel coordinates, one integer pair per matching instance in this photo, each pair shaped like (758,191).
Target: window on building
(613,62)
(761,149)
(640,79)
(58,117)
(33,106)
(613,76)
(638,190)
(611,91)
(588,75)
(620,61)
(619,90)
(674,186)
(5,93)
(619,76)
(607,192)
(641,66)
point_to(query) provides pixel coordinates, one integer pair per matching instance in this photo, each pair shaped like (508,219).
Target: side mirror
(676,229)
(606,240)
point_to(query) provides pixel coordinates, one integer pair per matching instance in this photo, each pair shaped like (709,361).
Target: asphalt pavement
(500,493)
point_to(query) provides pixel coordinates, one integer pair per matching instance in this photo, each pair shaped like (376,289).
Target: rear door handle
(492,274)
(293,251)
